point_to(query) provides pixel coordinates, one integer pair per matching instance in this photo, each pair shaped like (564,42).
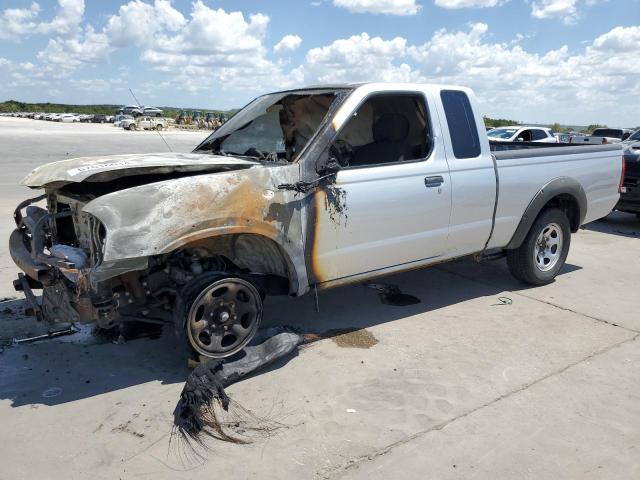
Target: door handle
(431,182)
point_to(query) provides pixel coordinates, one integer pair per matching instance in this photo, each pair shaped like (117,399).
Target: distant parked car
(522,134)
(99,118)
(68,118)
(132,110)
(152,112)
(117,121)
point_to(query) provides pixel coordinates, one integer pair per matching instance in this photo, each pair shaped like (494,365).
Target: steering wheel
(342,151)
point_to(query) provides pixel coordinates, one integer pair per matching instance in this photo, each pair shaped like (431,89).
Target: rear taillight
(621,188)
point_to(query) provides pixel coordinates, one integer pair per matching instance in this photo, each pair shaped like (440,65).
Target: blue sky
(572,61)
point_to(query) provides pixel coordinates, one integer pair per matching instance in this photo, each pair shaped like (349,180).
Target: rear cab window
(607,132)
(538,135)
(462,124)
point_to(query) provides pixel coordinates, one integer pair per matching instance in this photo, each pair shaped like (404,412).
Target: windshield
(273,127)
(635,136)
(502,132)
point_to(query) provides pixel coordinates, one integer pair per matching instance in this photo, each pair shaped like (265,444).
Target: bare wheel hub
(548,248)
(224,317)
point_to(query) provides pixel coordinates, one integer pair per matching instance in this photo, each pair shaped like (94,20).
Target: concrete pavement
(461,385)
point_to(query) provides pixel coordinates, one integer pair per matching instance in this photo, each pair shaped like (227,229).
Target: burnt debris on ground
(204,410)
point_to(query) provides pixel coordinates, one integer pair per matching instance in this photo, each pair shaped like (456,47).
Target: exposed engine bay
(67,243)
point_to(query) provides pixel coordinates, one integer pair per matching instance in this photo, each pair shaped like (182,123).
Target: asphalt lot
(461,385)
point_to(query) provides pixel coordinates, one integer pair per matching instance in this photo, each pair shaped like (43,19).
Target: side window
(387,128)
(538,135)
(525,135)
(462,124)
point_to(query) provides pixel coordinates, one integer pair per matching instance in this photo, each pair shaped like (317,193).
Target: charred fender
(162,217)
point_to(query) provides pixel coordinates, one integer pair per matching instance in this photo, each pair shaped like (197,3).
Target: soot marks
(335,202)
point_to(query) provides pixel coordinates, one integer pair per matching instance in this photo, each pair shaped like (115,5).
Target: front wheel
(544,250)
(218,315)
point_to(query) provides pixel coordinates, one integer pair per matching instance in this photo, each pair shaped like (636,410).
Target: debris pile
(206,411)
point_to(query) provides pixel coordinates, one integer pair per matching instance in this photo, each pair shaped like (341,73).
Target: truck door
(472,173)
(391,201)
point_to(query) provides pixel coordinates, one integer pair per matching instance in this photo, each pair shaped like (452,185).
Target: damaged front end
(118,245)
(56,247)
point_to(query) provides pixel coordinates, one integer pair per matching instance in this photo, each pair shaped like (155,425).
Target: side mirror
(519,139)
(328,166)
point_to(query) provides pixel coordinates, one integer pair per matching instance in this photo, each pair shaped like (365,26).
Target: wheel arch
(255,252)
(564,193)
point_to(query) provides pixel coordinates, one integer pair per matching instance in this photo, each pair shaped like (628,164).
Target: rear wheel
(159,127)
(218,315)
(132,126)
(544,250)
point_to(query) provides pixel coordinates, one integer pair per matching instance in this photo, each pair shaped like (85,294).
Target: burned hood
(108,168)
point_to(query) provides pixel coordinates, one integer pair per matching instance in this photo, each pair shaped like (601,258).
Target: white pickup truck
(144,123)
(602,136)
(301,189)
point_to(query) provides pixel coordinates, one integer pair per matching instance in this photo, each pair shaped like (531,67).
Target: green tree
(499,122)
(556,127)
(591,128)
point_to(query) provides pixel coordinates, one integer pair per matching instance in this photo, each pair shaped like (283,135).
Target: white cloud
(23,22)
(70,53)
(469,3)
(16,22)
(620,39)
(567,10)
(217,50)
(385,7)
(557,85)
(358,58)
(67,20)
(137,22)
(288,43)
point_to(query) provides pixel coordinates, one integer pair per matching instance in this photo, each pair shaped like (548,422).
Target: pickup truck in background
(630,193)
(144,123)
(301,190)
(602,136)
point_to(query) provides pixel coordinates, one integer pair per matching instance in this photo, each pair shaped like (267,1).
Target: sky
(576,62)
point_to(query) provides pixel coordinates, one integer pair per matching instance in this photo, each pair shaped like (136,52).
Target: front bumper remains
(66,293)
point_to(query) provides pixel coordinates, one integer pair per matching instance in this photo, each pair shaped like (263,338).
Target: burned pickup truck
(301,190)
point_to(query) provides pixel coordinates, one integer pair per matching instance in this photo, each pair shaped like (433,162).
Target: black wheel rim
(224,317)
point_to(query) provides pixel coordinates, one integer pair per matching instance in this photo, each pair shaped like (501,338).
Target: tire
(532,265)
(159,127)
(132,127)
(201,293)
